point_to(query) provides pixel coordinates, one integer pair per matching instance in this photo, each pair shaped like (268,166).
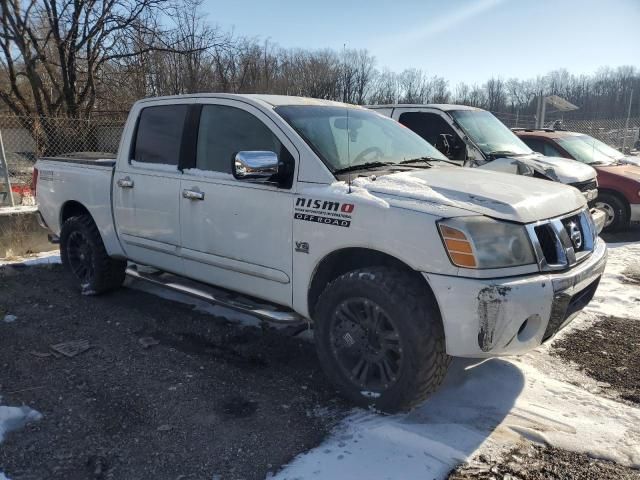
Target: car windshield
(588,150)
(347,137)
(603,147)
(489,134)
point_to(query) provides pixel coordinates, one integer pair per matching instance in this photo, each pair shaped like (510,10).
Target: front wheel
(82,252)
(380,339)
(615,210)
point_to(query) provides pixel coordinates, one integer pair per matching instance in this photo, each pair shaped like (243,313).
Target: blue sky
(460,40)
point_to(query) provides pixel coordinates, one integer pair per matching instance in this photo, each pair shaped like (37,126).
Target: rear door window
(159,134)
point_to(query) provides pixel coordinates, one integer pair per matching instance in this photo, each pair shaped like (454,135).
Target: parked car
(291,208)
(618,177)
(476,138)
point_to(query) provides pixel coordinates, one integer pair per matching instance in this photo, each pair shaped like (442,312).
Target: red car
(618,176)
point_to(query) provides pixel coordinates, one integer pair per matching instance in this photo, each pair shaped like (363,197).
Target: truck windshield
(588,150)
(361,138)
(489,134)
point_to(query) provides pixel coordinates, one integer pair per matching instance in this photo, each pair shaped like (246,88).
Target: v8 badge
(302,247)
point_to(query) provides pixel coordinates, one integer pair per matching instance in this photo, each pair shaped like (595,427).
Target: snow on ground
(18,209)
(483,406)
(13,418)
(43,258)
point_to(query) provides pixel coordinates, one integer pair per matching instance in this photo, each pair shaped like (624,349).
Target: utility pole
(5,171)
(626,124)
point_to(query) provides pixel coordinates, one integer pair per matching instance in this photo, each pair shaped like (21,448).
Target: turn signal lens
(458,247)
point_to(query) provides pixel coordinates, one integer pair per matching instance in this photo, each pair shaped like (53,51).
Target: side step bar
(241,303)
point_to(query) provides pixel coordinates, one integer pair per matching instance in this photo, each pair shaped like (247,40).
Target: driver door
(237,234)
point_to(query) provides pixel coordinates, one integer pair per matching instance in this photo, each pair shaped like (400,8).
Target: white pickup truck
(307,210)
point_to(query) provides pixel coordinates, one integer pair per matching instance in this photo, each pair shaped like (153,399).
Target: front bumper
(510,316)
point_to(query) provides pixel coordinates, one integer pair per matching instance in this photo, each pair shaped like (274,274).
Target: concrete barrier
(20,233)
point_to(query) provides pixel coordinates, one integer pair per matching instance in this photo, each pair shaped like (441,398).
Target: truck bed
(84,179)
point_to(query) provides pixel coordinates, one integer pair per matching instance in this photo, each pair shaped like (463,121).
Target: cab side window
(432,127)
(225,131)
(159,134)
(541,146)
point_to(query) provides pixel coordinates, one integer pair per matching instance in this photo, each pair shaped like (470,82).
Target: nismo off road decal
(325,212)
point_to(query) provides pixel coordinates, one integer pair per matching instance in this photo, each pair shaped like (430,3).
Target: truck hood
(557,168)
(498,195)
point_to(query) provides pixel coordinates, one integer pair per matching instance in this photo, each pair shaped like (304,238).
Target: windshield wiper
(363,166)
(426,160)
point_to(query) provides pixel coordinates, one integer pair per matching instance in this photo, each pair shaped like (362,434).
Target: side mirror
(255,165)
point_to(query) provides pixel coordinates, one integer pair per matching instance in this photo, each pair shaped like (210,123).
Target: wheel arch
(72,208)
(347,259)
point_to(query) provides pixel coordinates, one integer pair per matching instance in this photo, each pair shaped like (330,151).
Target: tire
(616,211)
(82,252)
(409,331)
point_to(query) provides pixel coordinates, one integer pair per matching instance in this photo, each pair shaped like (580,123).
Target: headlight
(481,242)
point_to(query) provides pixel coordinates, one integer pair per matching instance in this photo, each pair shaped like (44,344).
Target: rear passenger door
(235,233)
(146,189)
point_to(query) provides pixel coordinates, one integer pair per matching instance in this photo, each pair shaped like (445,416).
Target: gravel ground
(211,399)
(609,351)
(529,462)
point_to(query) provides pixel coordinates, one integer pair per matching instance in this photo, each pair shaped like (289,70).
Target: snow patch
(401,184)
(13,418)
(44,258)
(341,189)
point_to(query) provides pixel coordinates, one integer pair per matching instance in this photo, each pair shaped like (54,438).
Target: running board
(226,298)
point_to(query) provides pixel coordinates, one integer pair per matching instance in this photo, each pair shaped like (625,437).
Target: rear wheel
(379,337)
(615,210)
(83,253)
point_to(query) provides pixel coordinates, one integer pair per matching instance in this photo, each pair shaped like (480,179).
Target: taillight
(34,181)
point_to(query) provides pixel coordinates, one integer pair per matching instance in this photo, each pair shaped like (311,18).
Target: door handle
(193,194)
(125,182)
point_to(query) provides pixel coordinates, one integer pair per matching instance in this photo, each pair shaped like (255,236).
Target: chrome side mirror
(255,165)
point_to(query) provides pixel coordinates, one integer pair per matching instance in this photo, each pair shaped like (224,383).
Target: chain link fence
(612,131)
(26,138)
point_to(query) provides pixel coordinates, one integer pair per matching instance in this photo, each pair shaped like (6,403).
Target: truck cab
(474,137)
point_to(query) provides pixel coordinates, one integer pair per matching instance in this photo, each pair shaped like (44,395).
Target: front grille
(548,243)
(562,242)
(585,186)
